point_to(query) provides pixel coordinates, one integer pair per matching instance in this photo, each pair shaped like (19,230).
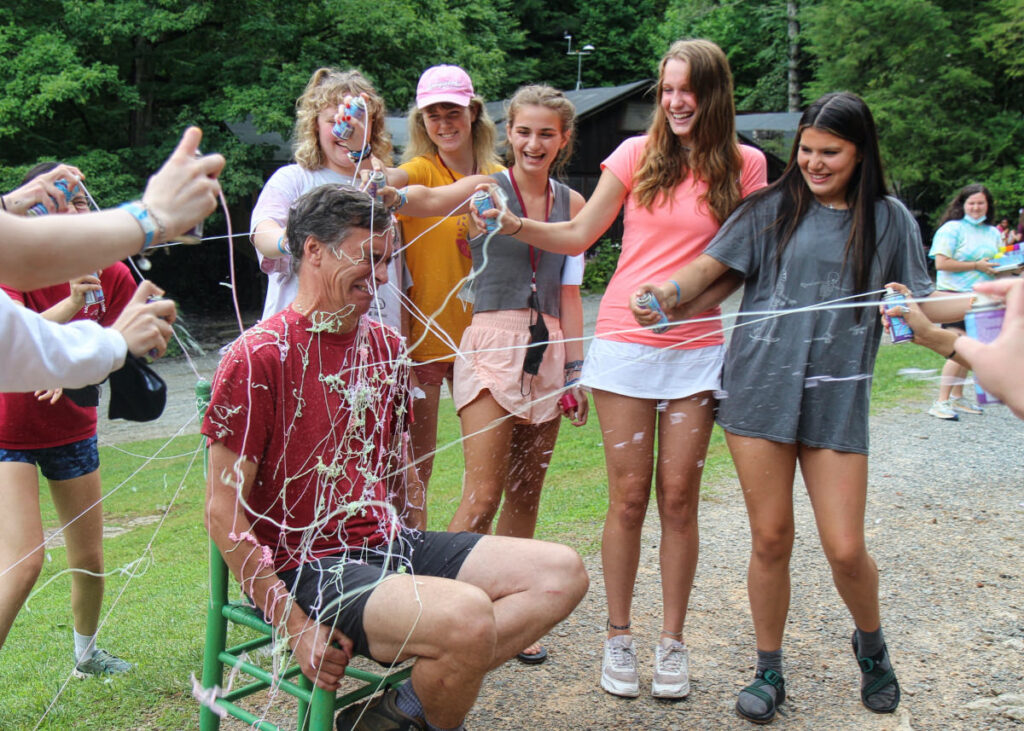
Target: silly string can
(899,330)
(94,296)
(40,210)
(481,200)
(983,322)
(376,182)
(355,109)
(650,302)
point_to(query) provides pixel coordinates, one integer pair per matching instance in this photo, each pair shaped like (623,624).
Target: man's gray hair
(328,213)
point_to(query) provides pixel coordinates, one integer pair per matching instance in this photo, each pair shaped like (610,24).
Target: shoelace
(623,658)
(672,659)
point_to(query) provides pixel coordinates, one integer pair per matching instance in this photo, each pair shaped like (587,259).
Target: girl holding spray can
(524,344)
(450,137)
(322,157)
(678,183)
(796,386)
(963,248)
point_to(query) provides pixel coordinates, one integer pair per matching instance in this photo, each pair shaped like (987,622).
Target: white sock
(85,646)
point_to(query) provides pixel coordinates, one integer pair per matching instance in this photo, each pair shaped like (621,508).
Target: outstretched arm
(37,252)
(444,200)
(568,237)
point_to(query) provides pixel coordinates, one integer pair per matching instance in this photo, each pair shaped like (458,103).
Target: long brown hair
(714,155)
(327,88)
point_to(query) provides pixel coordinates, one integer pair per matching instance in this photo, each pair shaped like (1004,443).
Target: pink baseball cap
(444,84)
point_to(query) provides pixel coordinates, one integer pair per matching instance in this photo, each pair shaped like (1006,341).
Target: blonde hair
(540,95)
(714,155)
(326,89)
(483,133)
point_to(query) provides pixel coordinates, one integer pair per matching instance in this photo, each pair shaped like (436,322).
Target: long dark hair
(955,210)
(844,115)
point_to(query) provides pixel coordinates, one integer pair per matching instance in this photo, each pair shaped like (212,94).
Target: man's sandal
(874,679)
(764,679)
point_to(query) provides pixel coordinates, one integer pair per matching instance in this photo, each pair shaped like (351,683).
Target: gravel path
(945,523)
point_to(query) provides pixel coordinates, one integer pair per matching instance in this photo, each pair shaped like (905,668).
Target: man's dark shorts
(334,590)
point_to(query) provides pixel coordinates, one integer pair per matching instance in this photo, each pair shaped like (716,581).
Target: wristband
(573,365)
(358,157)
(280,246)
(403,198)
(679,292)
(151,225)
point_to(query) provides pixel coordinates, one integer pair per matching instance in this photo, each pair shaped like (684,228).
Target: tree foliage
(109,84)
(932,85)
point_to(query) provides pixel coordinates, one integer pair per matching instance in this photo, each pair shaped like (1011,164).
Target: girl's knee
(773,545)
(629,513)
(849,559)
(24,575)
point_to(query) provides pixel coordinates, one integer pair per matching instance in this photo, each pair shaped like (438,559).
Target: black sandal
(533,658)
(873,678)
(769,678)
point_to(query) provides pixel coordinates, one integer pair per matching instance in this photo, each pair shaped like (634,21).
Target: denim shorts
(65,462)
(333,590)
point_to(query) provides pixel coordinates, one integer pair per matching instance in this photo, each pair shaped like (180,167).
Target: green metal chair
(316,706)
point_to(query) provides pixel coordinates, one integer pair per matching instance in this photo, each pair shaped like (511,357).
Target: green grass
(158,621)
(890,389)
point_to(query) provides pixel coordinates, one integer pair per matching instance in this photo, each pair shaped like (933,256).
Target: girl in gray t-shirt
(798,384)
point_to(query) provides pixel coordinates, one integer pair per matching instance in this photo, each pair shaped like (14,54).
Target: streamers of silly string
(355,438)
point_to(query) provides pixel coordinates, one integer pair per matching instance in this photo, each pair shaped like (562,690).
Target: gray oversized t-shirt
(806,377)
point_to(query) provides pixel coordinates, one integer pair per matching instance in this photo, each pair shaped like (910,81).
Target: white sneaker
(671,669)
(943,410)
(618,669)
(961,403)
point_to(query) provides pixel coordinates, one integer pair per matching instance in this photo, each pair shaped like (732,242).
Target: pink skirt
(491,359)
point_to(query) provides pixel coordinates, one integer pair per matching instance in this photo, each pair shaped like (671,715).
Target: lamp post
(579,54)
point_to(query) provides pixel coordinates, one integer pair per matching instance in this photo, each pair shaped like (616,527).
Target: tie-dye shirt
(964,241)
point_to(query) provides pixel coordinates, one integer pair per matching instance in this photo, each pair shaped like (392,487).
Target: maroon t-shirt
(27,423)
(321,414)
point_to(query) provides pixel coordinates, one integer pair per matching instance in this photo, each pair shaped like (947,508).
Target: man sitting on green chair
(308,445)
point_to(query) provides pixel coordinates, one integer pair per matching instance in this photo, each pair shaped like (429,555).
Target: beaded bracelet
(358,157)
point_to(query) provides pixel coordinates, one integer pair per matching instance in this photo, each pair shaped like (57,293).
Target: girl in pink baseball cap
(450,136)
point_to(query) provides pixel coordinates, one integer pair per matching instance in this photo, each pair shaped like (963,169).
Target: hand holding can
(648,301)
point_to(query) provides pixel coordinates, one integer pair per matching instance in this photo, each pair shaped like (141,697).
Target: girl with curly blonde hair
(320,158)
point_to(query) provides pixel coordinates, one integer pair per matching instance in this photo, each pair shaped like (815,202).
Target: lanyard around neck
(448,170)
(534,255)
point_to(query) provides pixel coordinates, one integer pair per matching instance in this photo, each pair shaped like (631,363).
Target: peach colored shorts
(493,348)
